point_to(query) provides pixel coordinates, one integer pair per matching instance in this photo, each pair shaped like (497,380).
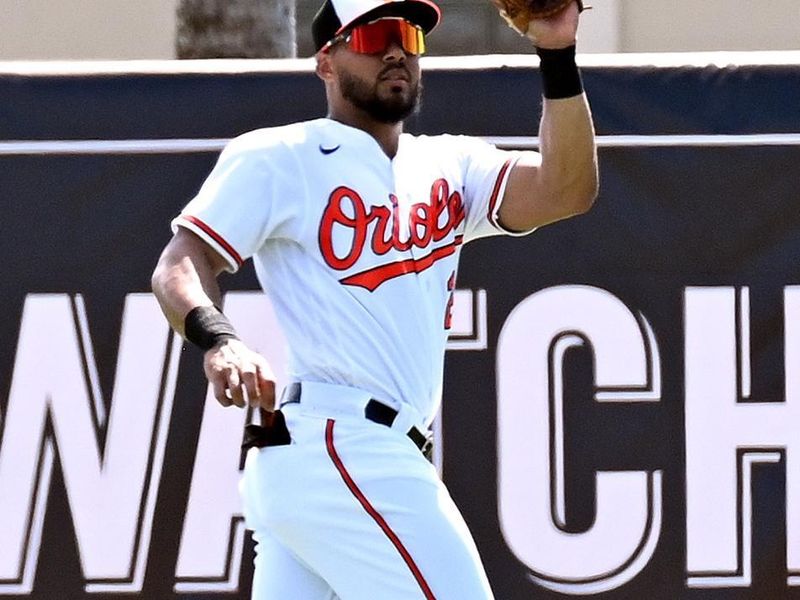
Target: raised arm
(185,284)
(565,182)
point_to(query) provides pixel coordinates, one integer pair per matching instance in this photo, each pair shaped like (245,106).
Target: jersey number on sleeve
(448,311)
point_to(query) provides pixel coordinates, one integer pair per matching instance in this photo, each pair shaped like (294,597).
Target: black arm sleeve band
(560,75)
(206,326)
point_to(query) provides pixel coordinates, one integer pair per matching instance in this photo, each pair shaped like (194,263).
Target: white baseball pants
(351,510)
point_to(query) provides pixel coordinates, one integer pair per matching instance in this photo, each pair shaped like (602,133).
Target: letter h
(726,436)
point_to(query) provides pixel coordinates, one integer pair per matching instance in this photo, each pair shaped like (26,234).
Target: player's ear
(324,67)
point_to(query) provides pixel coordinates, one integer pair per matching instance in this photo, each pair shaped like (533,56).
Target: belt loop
(290,394)
(407,418)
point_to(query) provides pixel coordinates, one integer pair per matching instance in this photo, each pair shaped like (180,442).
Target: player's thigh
(430,551)
(390,530)
(448,552)
(279,575)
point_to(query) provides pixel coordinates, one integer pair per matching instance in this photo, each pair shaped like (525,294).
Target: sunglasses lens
(413,39)
(374,38)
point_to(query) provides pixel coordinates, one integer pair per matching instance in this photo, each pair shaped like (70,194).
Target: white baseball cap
(336,16)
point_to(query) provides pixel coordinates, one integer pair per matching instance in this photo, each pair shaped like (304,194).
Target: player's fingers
(214,366)
(218,384)
(235,387)
(266,384)
(251,385)
(267,387)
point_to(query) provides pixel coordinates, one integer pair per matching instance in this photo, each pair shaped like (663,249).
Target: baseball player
(355,229)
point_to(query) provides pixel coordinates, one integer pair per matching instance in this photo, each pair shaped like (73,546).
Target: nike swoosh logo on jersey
(330,150)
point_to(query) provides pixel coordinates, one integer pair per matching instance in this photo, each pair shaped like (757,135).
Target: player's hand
(239,376)
(557,31)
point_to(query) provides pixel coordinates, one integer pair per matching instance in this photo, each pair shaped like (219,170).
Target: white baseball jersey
(357,252)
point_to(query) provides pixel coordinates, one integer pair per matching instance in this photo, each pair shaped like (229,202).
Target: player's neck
(386,134)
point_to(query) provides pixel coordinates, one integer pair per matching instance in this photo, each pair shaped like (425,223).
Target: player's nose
(394,52)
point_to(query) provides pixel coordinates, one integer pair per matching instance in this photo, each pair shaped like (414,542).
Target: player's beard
(391,109)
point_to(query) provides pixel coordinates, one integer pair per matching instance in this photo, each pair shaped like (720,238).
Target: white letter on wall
(531,347)
(725,437)
(112,489)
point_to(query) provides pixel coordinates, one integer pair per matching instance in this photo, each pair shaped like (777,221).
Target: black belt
(375,411)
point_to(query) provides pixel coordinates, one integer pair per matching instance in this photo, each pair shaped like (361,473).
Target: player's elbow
(573,193)
(165,275)
(583,199)
(158,280)
(579,195)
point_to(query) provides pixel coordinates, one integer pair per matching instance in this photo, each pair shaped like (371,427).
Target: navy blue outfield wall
(622,390)
(631,94)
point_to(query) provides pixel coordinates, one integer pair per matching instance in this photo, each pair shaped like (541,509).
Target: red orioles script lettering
(428,223)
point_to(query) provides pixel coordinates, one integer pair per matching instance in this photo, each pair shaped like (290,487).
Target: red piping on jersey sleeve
(216,237)
(376,516)
(496,193)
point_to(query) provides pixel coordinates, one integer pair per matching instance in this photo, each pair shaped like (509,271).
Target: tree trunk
(236,29)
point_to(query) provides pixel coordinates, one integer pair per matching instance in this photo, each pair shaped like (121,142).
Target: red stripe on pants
(376,516)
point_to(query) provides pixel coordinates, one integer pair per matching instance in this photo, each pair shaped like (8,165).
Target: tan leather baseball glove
(519,13)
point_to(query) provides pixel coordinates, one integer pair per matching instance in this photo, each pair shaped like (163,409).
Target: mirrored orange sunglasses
(375,37)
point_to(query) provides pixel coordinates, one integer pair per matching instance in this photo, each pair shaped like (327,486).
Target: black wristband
(560,75)
(206,326)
